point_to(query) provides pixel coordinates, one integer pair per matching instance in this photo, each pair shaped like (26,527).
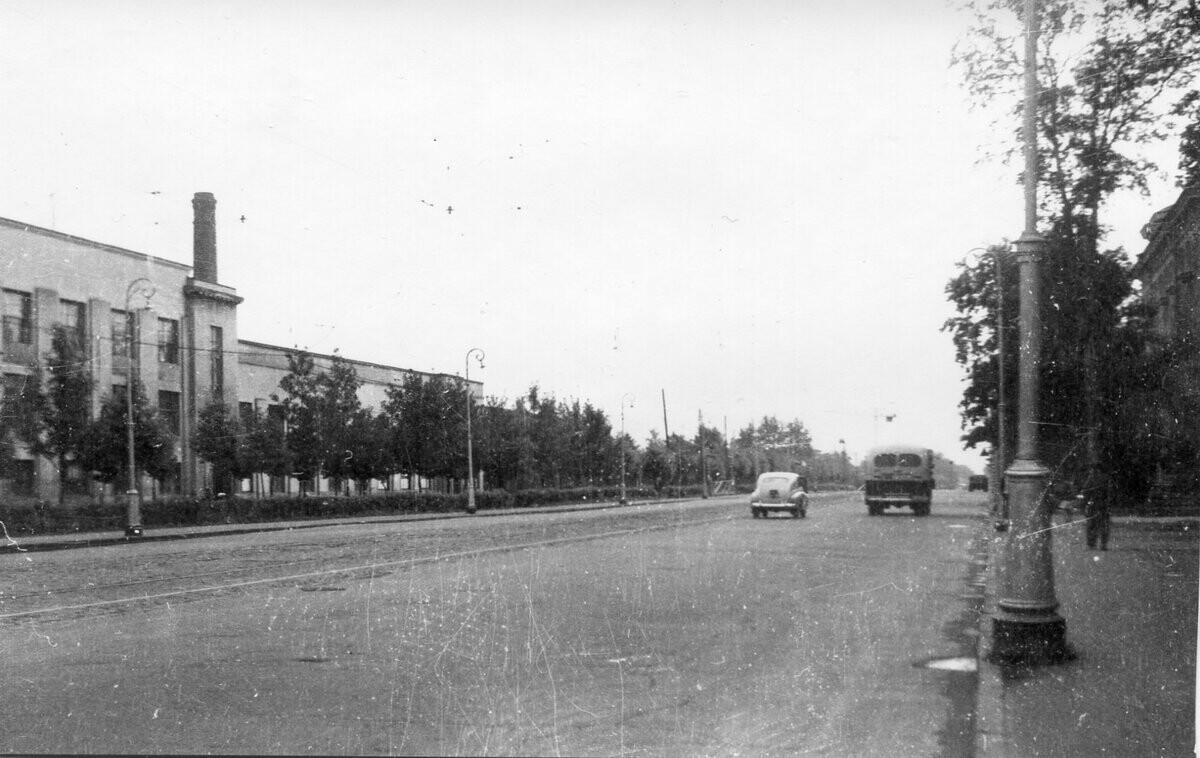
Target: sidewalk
(1131,615)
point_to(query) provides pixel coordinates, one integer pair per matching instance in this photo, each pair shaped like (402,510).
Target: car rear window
(910,460)
(885,460)
(776,483)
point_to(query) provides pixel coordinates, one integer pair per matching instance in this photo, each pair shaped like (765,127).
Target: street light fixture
(145,288)
(479,356)
(624,501)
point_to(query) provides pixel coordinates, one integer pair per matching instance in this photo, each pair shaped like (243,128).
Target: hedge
(175,512)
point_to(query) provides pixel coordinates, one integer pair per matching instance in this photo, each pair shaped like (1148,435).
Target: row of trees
(537,441)
(319,429)
(1117,76)
(49,412)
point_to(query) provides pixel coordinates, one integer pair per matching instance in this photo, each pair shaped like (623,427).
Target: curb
(990,739)
(101,539)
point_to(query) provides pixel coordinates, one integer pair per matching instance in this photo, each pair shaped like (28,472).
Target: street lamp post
(845,465)
(133,513)
(479,356)
(1027,628)
(624,500)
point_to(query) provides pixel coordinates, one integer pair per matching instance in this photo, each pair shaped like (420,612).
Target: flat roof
(27,227)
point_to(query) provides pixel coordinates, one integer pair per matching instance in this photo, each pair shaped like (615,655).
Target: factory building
(172,326)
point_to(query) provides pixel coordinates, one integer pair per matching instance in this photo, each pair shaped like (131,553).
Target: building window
(168,409)
(72,321)
(122,332)
(278,417)
(18,318)
(168,340)
(216,340)
(246,414)
(23,477)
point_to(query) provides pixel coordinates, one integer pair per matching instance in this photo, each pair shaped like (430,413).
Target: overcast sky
(753,207)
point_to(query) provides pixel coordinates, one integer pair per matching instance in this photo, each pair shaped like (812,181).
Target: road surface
(676,629)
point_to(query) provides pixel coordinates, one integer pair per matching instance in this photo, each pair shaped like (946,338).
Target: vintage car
(780,491)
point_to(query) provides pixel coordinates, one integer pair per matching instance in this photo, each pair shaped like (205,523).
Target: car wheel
(795,513)
(803,513)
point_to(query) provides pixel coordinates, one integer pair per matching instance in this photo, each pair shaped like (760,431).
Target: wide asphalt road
(676,629)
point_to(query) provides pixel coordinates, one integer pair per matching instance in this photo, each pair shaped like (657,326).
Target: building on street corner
(186,354)
(1168,270)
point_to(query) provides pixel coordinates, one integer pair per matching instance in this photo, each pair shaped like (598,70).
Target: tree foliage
(1116,77)
(321,409)
(104,451)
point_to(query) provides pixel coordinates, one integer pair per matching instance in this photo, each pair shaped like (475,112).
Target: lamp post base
(1030,642)
(133,513)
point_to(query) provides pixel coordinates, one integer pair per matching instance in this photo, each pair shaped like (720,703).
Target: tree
(266,451)
(320,408)
(104,450)
(1114,79)
(427,417)
(302,411)
(21,417)
(220,439)
(499,442)
(656,463)
(771,446)
(370,454)
(66,405)
(342,420)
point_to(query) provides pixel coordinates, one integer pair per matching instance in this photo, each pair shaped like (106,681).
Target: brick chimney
(204,240)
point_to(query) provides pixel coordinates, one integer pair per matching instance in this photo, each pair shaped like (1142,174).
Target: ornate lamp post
(624,501)
(479,356)
(145,288)
(1027,627)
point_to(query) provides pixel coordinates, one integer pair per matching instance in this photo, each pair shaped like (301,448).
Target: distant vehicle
(899,476)
(977,482)
(780,491)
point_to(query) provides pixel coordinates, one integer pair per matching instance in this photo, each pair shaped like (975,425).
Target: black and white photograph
(600,378)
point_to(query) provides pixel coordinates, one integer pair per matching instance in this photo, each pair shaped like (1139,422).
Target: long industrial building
(188,353)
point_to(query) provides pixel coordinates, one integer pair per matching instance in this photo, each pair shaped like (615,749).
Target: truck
(899,476)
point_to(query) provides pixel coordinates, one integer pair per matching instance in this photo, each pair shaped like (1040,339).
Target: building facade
(1168,269)
(172,326)
(1170,264)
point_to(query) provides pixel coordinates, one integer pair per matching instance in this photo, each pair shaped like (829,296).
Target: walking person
(1097,493)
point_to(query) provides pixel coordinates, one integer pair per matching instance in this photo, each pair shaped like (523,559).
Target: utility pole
(1027,628)
(1000,498)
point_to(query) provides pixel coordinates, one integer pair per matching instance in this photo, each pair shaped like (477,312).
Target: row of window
(169,407)
(17,310)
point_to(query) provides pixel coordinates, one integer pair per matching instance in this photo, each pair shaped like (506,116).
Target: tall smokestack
(204,240)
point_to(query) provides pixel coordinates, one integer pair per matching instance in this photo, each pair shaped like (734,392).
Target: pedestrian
(1097,492)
